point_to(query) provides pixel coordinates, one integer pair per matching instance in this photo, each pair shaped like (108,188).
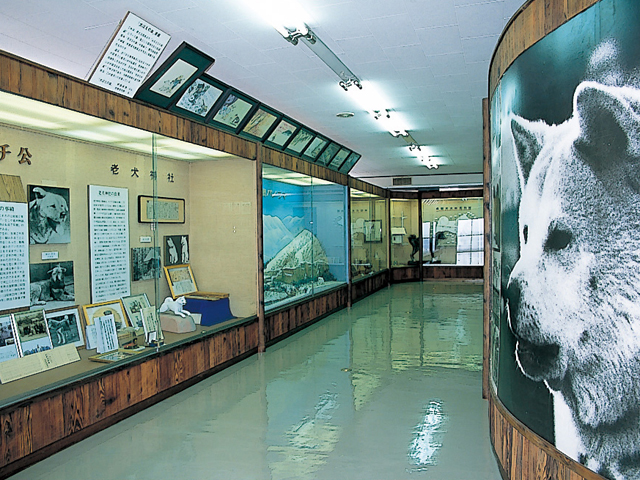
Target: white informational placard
(130,56)
(14,261)
(107,335)
(109,236)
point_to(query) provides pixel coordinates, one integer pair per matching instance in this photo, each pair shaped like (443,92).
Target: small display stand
(213,306)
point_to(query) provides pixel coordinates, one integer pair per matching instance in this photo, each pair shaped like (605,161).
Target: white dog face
(48,212)
(574,293)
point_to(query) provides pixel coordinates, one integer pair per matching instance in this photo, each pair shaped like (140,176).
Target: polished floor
(388,389)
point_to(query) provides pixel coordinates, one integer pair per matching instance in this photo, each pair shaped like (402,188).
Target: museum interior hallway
(388,389)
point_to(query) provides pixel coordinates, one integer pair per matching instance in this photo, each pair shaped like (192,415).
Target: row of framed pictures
(32,331)
(181,86)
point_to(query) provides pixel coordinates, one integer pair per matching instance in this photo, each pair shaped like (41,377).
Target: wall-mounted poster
(65,327)
(32,332)
(176,250)
(14,242)
(260,123)
(109,241)
(51,285)
(282,133)
(200,97)
(145,263)
(8,344)
(49,218)
(233,111)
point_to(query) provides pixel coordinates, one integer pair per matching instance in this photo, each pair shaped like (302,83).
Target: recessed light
(345,114)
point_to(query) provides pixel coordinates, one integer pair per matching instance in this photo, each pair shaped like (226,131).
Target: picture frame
(51,285)
(133,306)
(200,98)
(180,279)
(327,154)
(65,326)
(152,325)
(314,148)
(300,141)
(31,332)
(145,263)
(169,210)
(339,158)
(349,163)
(101,309)
(172,78)
(8,342)
(176,250)
(373,231)
(283,133)
(231,113)
(260,123)
(113,356)
(49,215)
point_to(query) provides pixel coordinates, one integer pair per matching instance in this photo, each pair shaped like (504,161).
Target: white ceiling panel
(440,40)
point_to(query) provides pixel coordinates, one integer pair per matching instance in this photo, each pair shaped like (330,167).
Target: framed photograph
(114,307)
(65,326)
(176,250)
(199,98)
(8,344)
(133,305)
(168,210)
(285,130)
(232,112)
(349,162)
(111,357)
(260,123)
(373,231)
(180,279)
(299,142)
(145,263)
(172,78)
(315,147)
(51,285)
(49,219)
(339,158)
(32,332)
(327,154)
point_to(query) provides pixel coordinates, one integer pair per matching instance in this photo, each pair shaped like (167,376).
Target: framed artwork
(133,305)
(49,218)
(8,344)
(32,332)
(171,79)
(176,250)
(233,111)
(373,231)
(168,210)
(198,100)
(114,307)
(349,162)
(260,123)
(327,154)
(110,357)
(300,141)
(65,326)
(285,130)
(152,326)
(51,285)
(315,147)
(339,158)
(145,263)
(180,279)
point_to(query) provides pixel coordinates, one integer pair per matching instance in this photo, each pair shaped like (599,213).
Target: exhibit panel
(452,231)
(304,231)
(564,199)
(405,233)
(369,234)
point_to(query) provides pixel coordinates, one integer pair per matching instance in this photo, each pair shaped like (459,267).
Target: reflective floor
(389,389)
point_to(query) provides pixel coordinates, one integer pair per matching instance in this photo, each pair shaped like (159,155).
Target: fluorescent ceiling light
(15,118)
(371,99)
(286,16)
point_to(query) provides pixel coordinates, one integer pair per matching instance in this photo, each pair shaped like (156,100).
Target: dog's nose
(513,295)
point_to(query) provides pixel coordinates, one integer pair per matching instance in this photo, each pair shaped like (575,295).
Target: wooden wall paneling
(47,422)
(16,434)
(76,409)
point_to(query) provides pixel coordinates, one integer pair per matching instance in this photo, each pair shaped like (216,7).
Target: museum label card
(23,367)
(130,56)
(14,261)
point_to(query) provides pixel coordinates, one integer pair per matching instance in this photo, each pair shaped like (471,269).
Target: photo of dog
(51,284)
(176,250)
(573,295)
(49,220)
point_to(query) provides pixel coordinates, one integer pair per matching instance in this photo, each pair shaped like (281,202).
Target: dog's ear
(39,192)
(528,146)
(609,124)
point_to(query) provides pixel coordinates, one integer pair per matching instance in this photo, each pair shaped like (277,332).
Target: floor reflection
(389,389)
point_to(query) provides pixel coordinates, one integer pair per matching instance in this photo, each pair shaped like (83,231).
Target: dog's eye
(558,239)
(525,233)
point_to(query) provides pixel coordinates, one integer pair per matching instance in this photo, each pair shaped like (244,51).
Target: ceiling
(429,58)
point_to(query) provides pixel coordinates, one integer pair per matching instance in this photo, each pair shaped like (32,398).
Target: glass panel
(369,237)
(404,232)
(456,230)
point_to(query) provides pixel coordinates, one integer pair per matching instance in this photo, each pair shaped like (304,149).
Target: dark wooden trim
(368,187)
(289,162)
(451,272)
(363,287)
(405,274)
(471,193)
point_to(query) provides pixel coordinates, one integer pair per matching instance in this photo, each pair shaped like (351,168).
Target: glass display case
(369,234)
(452,231)
(405,234)
(108,206)
(304,231)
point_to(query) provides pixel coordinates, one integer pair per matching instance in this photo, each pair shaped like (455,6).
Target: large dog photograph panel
(49,218)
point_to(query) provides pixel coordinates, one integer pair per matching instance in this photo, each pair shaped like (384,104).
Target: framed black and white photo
(260,123)
(51,285)
(65,326)
(233,111)
(8,344)
(199,98)
(284,132)
(49,217)
(32,332)
(176,250)
(172,78)
(145,263)
(133,305)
